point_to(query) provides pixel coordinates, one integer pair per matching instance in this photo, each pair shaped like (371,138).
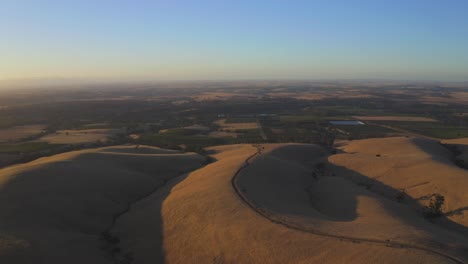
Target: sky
(217,40)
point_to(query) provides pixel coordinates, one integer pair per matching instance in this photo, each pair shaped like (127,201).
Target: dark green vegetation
(292,129)
(194,140)
(431,129)
(434,208)
(363,131)
(174,141)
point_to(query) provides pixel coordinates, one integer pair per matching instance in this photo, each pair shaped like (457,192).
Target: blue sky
(405,40)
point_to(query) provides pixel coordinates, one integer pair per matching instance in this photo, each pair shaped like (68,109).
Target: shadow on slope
(57,207)
(287,183)
(444,233)
(148,241)
(284,178)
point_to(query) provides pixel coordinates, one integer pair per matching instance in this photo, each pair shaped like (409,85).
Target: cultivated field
(395,118)
(19,132)
(77,136)
(222,134)
(236,126)
(211,96)
(320,95)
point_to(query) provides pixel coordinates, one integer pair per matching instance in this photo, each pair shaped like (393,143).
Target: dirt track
(269,216)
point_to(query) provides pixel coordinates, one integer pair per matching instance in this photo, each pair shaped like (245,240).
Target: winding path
(264,213)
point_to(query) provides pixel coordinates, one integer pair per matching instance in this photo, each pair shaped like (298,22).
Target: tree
(434,208)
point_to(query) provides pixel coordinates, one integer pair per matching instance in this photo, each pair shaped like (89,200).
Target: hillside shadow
(341,191)
(430,147)
(283,181)
(147,227)
(445,234)
(80,199)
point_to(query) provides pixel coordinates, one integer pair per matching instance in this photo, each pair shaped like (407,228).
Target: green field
(181,136)
(431,129)
(363,131)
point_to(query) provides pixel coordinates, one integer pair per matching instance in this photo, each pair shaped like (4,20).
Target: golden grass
(53,210)
(236,126)
(201,219)
(220,134)
(420,166)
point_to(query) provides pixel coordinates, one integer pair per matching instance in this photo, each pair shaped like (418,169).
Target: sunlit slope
(338,201)
(53,210)
(420,167)
(204,219)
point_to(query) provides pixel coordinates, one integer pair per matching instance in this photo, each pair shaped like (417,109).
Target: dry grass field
(347,200)
(279,213)
(453,97)
(270,203)
(236,126)
(77,136)
(221,134)
(54,209)
(19,132)
(418,166)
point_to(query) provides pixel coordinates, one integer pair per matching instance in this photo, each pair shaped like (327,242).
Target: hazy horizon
(108,41)
(89,83)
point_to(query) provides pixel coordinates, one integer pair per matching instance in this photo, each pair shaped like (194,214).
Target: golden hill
(273,209)
(53,210)
(272,203)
